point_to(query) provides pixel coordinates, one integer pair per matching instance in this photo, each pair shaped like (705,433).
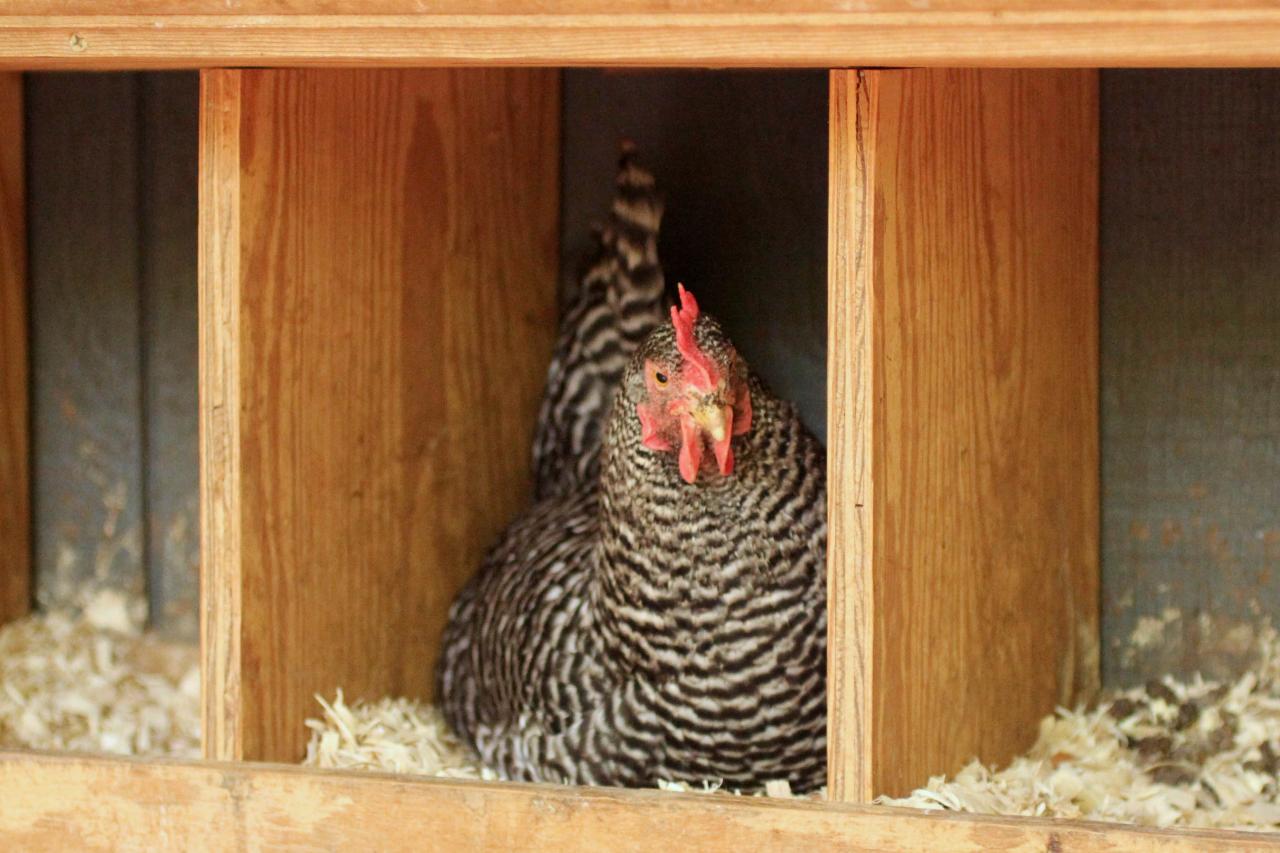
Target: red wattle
(690,449)
(724,454)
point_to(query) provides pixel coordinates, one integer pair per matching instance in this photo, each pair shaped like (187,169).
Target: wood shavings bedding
(397,735)
(1200,753)
(403,736)
(95,682)
(1195,753)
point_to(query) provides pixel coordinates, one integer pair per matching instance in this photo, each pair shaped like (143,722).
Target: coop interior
(377,402)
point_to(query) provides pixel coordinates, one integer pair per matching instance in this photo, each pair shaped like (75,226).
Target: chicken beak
(706,417)
(715,420)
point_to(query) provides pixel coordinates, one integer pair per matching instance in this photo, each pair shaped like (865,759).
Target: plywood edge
(73,802)
(15,485)
(851,359)
(1079,35)
(220,503)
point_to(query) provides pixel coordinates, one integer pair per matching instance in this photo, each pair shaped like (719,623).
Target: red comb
(703,375)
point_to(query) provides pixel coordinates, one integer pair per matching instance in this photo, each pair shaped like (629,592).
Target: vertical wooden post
(963,429)
(15,506)
(378,277)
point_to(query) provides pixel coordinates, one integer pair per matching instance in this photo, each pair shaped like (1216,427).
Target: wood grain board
(813,33)
(962,416)
(15,507)
(854,400)
(86,345)
(378,280)
(78,803)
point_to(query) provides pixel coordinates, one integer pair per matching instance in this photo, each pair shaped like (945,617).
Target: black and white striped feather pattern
(619,301)
(642,628)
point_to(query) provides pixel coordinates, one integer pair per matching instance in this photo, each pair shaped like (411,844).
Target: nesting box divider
(963,425)
(15,489)
(378,263)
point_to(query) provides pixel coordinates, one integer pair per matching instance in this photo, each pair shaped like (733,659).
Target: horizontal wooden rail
(60,802)
(813,33)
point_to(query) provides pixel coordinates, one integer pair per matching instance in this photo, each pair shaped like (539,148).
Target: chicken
(620,301)
(660,611)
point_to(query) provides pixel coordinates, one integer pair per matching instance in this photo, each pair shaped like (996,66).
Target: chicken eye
(660,377)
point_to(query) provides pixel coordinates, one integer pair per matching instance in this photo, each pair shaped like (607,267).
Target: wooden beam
(378,278)
(15,486)
(60,802)
(963,427)
(813,33)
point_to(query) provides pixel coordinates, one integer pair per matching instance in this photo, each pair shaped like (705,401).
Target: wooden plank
(813,33)
(73,803)
(15,508)
(377,288)
(853,400)
(168,153)
(221,505)
(86,345)
(963,416)
(1190,370)
(656,8)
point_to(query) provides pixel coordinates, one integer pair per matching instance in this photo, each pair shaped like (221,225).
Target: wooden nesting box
(377,307)
(378,280)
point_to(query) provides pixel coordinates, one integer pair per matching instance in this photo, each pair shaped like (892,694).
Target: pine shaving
(1199,753)
(404,736)
(94,681)
(1171,753)
(396,735)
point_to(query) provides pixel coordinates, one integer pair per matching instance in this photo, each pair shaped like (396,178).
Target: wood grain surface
(15,486)
(378,305)
(963,416)
(86,343)
(854,377)
(81,803)
(656,8)
(755,33)
(222,719)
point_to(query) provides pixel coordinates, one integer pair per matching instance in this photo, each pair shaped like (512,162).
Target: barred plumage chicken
(660,611)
